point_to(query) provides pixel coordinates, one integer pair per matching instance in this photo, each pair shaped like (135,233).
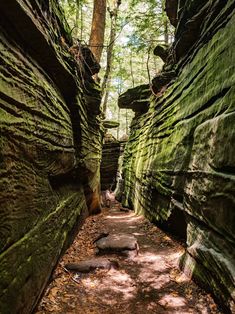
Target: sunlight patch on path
(149,282)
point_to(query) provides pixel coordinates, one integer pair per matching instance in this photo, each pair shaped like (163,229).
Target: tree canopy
(139,27)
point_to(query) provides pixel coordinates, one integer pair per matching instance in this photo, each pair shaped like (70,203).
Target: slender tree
(131,68)
(119,90)
(165,22)
(166,33)
(77,18)
(96,41)
(82,21)
(113,32)
(118,128)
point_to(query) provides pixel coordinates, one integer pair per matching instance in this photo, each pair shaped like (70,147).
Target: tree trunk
(147,64)
(81,29)
(106,96)
(166,32)
(113,32)
(96,41)
(165,22)
(119,90)
(77,18)
(132,74)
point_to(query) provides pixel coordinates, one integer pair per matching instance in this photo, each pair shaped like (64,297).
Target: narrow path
(147,283)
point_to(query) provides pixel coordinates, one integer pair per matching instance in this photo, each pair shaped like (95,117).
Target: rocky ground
(145,281)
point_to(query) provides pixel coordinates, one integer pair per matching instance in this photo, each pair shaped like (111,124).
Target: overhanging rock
(136,98)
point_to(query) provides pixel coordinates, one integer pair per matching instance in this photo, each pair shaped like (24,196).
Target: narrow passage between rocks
(147,280)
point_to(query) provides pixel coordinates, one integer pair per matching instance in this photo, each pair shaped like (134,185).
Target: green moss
(180,152)
(44,243)
(50,153)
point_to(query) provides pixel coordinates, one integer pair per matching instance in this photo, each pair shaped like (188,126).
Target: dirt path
(147,283)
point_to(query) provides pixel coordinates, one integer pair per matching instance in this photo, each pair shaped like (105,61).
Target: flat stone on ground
(117,243)
(91,264)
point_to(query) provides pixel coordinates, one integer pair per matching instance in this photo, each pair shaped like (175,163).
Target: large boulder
(50,149)
(179,161)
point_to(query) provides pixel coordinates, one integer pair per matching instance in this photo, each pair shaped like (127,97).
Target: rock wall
(109,162)
(179,164)
(50,148)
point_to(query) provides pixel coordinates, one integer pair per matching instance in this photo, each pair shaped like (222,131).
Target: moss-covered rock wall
(109,162)
(179,166)
(50,148)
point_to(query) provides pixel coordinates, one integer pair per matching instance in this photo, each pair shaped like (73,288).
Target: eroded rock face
(161,51)
(109,162)
(136,98)
(179,161)
(50,149)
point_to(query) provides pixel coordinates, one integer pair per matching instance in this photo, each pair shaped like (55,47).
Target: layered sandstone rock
(50,148)
(179,162)
(136,98)
(109,163)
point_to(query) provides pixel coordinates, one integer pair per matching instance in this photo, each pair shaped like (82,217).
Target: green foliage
(140,27)
(78,14)
(148,21)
